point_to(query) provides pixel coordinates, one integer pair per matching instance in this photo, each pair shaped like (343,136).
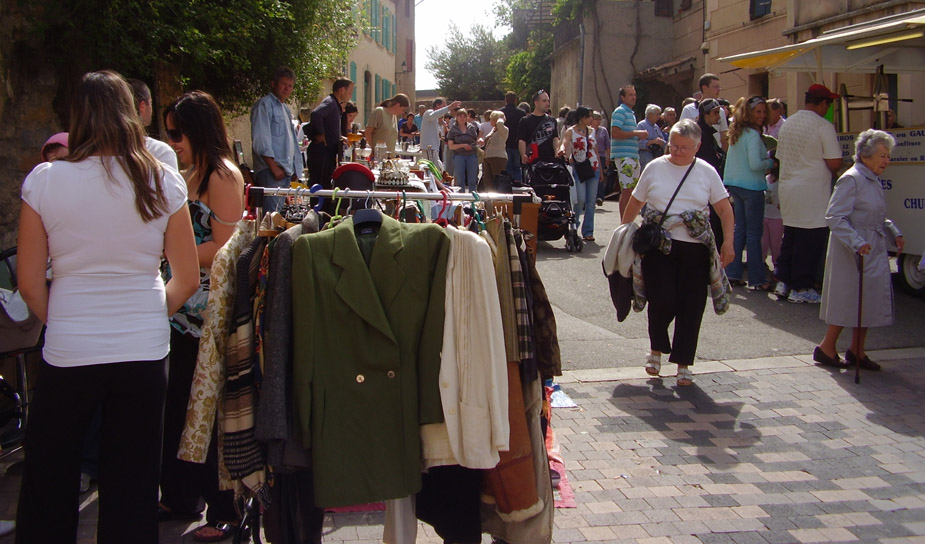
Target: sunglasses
(174,135)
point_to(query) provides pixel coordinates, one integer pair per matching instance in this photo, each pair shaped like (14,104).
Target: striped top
(624,118)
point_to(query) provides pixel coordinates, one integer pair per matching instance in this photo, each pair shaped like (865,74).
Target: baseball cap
(821,91)
(59,139)
(708,105)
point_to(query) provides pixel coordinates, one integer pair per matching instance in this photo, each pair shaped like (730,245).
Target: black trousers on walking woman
(185,485)
(131,396)
(676,288)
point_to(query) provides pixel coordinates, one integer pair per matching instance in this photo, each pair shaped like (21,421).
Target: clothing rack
(255,194)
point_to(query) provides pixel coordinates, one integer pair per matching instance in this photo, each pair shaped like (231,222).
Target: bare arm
(618,134)
(834,164)
(724,211)
(180,249)
(31,261)
(225,197)
(632,209)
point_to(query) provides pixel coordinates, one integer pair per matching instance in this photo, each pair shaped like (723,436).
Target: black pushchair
(551,181)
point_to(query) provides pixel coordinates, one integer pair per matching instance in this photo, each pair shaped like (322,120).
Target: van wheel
(911,279)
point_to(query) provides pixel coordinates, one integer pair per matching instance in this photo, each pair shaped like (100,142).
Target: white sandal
(653,364)
(685,376)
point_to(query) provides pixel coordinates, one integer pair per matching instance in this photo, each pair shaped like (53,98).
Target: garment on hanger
(241,454)
(274,409)
(366,363)
(473,373)
(209,377)
(545,333)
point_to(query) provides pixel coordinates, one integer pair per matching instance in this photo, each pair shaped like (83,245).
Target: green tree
(470,66)
(529,70)
(229,49)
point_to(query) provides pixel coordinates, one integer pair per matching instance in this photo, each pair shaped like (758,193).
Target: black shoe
(866,363)
(820,357)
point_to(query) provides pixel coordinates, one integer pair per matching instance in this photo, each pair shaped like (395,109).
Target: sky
(433,18)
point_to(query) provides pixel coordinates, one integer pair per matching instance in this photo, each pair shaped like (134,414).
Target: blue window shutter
(353,78)
(378,89)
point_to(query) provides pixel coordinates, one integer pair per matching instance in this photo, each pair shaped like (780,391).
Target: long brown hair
(399,98)
(104,122)
(740,117)
(197,115)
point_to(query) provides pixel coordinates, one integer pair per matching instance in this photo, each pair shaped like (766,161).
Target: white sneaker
(804,296)
(781,290)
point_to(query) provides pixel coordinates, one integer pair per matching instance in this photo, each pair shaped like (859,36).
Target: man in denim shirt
(277,158)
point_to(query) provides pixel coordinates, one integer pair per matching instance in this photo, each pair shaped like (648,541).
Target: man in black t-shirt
(512,117)
(537,137)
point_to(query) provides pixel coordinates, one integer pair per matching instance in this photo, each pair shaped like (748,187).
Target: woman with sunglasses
(104,214)
(196,131)
(747,163)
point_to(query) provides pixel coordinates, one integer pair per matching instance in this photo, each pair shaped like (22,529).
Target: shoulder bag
(649,236)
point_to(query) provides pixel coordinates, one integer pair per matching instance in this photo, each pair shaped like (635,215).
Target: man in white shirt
(709,88)
(430,130)
(809,153)
(142,95)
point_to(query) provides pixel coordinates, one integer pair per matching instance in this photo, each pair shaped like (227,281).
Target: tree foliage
(529,70)
(229,49)
(469,66)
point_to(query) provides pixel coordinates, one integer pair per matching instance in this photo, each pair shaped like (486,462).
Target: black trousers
(131,395)
(183,484)
(800,253)
(676,288)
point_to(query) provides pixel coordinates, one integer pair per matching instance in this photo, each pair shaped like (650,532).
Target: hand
(278,173)
(641,134)
(660,142)
(455,105)
(561,153)
(524,159)
(864,250)
(468,147)
(726,253)
(900,244)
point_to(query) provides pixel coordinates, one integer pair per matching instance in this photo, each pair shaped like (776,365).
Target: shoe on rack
(781,290)
(804,296)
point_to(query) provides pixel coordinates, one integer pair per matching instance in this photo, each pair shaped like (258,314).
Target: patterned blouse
(188,319)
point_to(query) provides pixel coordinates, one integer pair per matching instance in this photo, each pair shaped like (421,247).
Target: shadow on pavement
(687,415)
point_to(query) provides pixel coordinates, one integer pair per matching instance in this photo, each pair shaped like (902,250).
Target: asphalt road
(756,324)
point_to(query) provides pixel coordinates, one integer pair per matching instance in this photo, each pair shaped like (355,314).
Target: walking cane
(857,343)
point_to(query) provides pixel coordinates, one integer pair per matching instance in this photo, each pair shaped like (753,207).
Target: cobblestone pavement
(757,451)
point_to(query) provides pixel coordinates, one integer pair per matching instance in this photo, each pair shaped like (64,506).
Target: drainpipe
(581,63)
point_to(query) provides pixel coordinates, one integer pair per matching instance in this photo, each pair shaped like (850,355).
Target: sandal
(222,531)
(653,365)
(685,377)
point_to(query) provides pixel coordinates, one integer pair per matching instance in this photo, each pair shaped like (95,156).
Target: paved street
(764,447)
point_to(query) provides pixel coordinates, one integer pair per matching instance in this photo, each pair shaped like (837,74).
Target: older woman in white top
(495,154)
(104,215)
(676,277)
(858,228)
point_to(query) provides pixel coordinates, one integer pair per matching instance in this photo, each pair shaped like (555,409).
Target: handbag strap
(665,213)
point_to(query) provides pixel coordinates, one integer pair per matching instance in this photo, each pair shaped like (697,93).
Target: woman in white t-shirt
(676,280)
(104,215)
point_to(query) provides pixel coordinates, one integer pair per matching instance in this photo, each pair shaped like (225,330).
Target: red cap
(821,91)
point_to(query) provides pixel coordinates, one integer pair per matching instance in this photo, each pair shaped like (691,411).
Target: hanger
(315,188)
(367,216)
(441,220)
(476,215)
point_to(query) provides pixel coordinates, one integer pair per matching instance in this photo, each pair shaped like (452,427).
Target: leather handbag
(649,236)
(584,169)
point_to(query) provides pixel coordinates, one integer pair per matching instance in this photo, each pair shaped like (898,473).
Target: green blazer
(366,356)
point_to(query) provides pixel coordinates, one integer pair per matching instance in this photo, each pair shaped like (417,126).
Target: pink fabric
(771,239)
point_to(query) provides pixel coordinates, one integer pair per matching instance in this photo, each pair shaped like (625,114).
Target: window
(758,8)
(353,78)
(386,30)
(375,21)
(409,54)
(408,8)
(378,89)
(664,8)
(394,36)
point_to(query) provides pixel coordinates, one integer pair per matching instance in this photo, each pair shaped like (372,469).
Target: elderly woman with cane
(858,253)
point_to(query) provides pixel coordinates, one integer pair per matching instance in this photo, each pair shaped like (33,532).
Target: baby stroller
(552,181)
